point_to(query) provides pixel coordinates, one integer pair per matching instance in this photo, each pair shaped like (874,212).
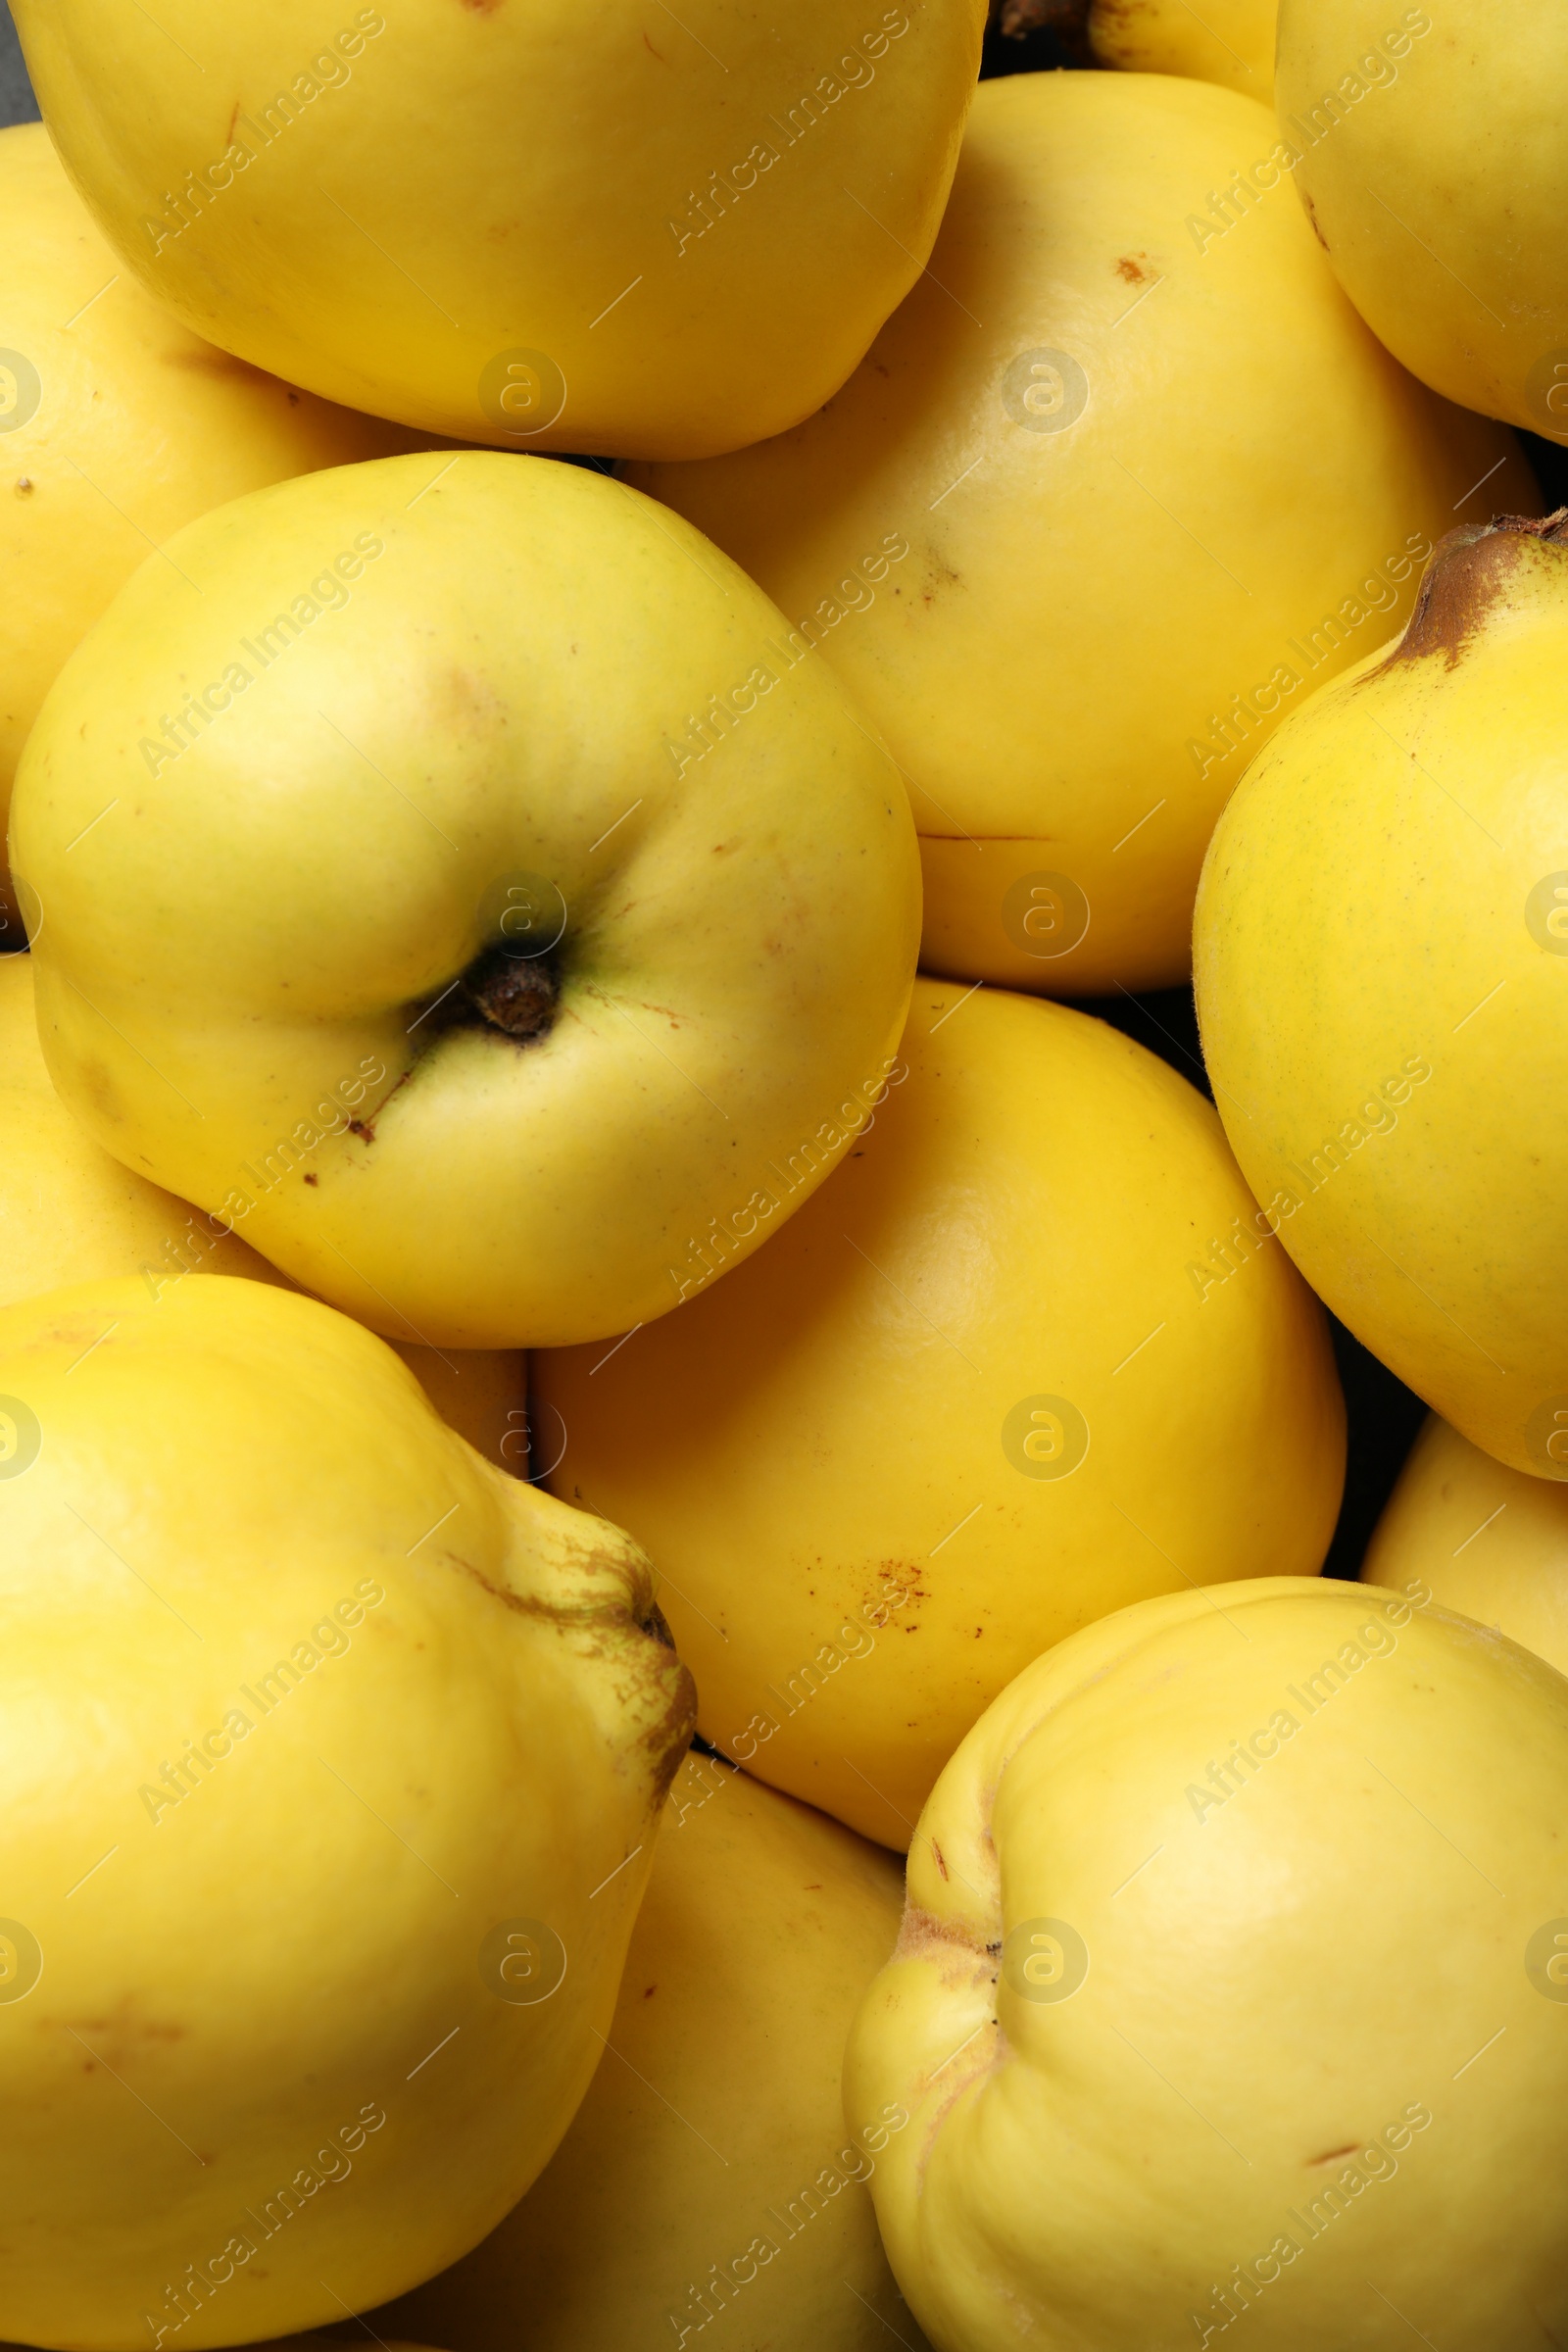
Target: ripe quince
(522,223)
(1032,1353)
(1381,954)
(444,870)
(1435,174)
(1226,2005)
(330,1769)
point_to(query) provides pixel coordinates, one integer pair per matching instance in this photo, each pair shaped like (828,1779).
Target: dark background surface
(15,94)
(1384,1415)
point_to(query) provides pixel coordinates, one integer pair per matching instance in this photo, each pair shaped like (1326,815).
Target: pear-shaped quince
(330,1761)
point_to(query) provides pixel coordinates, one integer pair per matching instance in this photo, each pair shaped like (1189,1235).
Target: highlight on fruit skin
(466,713)
(1155,481)
(118,425)
(1032,1353)
(292,1682)
(1491,1542)
(659,234)
(1150,2100)
(1378,964)
(1436,175)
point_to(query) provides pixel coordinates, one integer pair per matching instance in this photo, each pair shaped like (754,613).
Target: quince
(1228,1993)
(443,871)
(513,220)
(330,1765)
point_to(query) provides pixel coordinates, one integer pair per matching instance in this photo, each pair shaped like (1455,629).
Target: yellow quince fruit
(1122,478)
(710,2175)
(441,870)
(1227,1994)
(331,1761)
(1465,1530)
(117,427)
(665,233)
(1434,172)
(1033,1354)
(1380,957)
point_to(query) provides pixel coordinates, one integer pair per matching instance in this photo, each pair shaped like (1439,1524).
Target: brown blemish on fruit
(364,1129)
(1337,2155)
(1129,269)
(1469,572)
(1312,214)
(653,52)
(938,1858)
(232,120)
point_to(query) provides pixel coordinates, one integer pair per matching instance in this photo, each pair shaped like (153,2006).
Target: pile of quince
(642,651)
